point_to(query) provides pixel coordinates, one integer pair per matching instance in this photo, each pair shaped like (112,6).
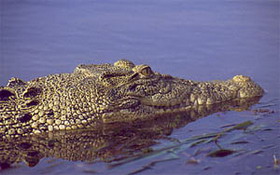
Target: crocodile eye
(146,71)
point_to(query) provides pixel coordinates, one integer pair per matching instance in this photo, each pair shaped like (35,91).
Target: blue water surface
(192,39)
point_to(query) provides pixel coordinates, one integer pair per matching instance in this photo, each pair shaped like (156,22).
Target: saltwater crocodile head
(137,92)
(132,91)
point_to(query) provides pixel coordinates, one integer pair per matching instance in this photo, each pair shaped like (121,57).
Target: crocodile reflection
(106,142)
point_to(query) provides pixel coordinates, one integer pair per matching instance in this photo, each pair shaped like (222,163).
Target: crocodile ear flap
(31,92)
(5,94)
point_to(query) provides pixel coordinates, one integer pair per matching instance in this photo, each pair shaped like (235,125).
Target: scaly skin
(106,93)
(108,141)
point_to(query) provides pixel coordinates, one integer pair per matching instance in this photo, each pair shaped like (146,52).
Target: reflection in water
(108,142)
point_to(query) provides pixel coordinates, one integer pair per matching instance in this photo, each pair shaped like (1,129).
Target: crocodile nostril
(25,118)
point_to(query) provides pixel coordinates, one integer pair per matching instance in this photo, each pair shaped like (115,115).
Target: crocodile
(95,94)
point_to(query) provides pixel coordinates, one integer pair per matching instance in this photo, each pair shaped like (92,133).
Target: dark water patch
(240,142)
(221,153)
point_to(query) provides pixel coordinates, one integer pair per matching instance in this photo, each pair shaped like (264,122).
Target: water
(199,40)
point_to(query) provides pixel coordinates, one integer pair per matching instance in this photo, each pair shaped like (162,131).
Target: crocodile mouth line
(175,108)
(180,105)
(172,103)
